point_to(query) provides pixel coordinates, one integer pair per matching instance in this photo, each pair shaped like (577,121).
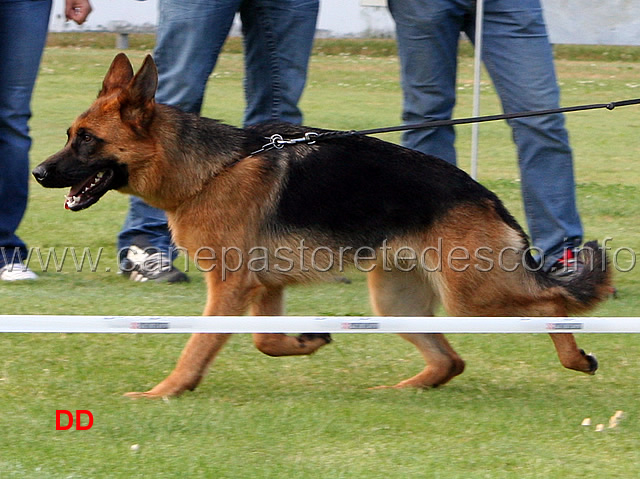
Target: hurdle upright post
(477,70)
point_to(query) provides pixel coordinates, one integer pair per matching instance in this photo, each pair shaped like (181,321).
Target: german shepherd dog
(424,231)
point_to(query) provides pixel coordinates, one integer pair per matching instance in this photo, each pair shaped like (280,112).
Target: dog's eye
(86,138)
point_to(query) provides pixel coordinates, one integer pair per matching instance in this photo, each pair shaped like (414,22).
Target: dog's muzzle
(40,173)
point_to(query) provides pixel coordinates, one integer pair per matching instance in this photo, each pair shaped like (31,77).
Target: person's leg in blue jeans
(278,38)
(189,40)
(519,58)
(517,54)
(427,35)
(23,32)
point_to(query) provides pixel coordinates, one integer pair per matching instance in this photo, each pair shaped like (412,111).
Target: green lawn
(514,413)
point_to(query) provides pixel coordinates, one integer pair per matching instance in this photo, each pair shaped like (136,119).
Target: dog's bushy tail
(583,291)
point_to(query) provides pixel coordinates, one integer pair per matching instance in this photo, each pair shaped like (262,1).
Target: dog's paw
(154,393)
(326,337)
(142,395)
(593,362)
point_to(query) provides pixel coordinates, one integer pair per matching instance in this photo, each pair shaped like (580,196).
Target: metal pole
(477,63)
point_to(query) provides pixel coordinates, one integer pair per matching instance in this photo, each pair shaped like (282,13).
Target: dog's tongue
(76,189)
(73,192)
(87,191)
(86,184)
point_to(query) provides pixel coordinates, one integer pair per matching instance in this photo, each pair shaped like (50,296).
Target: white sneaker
(16,272)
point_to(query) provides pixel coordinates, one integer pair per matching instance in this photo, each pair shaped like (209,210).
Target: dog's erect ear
(119,75)
(137,101)
(144,84)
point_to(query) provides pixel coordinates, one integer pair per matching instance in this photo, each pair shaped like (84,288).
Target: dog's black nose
(39,173)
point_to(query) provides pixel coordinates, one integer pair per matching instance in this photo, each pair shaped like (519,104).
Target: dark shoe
(149,264)
(569,265)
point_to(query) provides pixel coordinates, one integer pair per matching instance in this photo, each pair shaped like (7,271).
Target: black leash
(278,142)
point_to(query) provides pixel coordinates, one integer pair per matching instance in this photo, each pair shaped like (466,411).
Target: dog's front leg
(225,298)
(196,356)
(270,302)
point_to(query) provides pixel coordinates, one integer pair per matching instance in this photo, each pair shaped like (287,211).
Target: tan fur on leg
(398,293)
(571,356)
(231,298)
(271,303)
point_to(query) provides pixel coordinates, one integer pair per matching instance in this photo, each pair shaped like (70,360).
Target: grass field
(514,413)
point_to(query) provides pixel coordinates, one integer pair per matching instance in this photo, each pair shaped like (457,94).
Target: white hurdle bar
(312,324)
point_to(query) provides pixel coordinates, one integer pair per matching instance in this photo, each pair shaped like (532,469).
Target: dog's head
(109,140)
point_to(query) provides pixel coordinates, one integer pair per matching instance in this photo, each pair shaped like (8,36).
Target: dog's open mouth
(89,191)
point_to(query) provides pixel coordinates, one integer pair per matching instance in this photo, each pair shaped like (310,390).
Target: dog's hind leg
(271,303)
(571,356)
(398,293)
(443,363)
(547,304)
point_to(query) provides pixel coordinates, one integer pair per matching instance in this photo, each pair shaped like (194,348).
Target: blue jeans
(23,33)
(278,37)
(517,54)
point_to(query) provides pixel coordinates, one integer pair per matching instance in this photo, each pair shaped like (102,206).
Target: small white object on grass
(600,427)
(615,419)
(586,421)
(135,447)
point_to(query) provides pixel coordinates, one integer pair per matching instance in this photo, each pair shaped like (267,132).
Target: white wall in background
(615,22)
